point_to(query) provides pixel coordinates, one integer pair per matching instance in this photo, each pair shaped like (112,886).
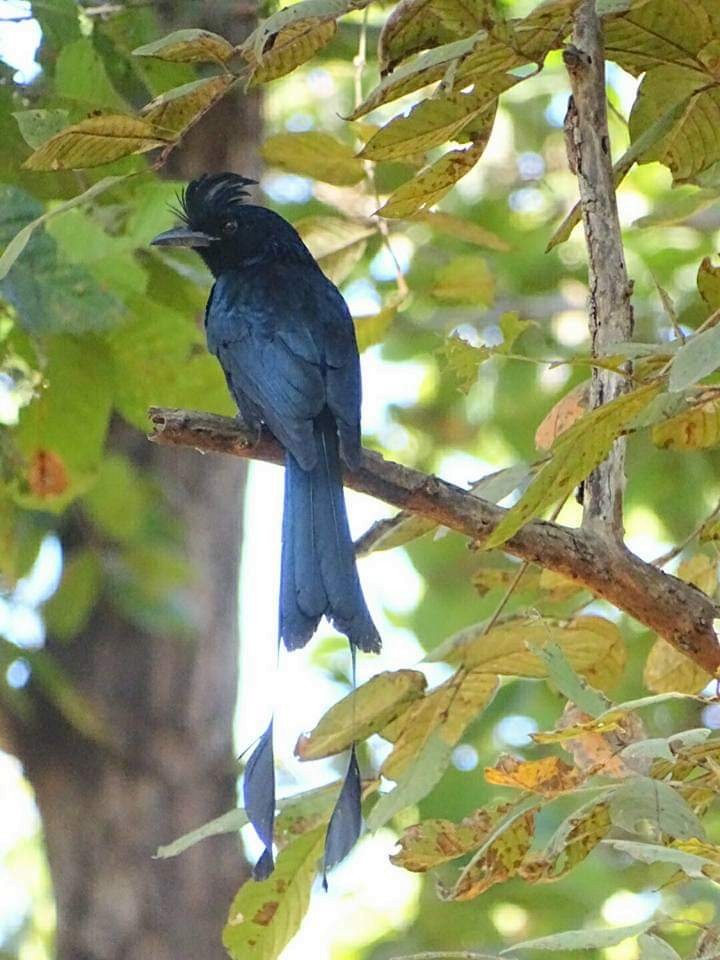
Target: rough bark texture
(168,702)
(677,611)
(611,319)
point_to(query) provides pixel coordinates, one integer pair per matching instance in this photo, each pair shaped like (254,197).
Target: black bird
(285,340)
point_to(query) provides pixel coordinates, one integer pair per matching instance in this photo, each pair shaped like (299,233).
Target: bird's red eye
(230,226)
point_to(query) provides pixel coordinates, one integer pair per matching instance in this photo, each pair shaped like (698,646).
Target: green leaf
(188,46)
(61,434)
(336,244)
(418,779)
(95,141)
(653,948)
(367,710)
(80,75)
(642,800)
(314,154)
(575,453)
(665,748)
(370,329)
(570,683)
(583,939)
(691,864)
(295,44)
(37,126)
(229,822)
(18,243)
(176,108)
(460,359)
(120,499)
(264,916)
(67,612)
(467,279)
(695,359)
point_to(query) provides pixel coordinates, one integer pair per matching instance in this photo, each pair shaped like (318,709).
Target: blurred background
(124,698)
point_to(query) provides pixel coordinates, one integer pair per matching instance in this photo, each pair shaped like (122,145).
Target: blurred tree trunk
(168,701)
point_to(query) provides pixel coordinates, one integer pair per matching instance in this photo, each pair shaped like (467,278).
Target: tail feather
(318,575)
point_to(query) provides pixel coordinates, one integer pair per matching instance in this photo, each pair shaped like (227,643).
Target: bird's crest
(211,194)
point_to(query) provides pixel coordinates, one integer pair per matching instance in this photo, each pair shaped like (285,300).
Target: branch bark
(676,611)
(611,318)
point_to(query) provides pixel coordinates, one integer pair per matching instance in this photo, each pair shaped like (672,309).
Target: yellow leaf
(574,840)
(700,570)
(549,776)
(666,669)
(188,46)
(444,712)
(175,109)
(432,842)
(314,154)
(591,645)
(495,862)
(290,47)
(372,706)
(432,182)
(413,25)
(696,428)
(95,141)
(575,453)
(433,122)
(466,279)
(336,244)
(462,229)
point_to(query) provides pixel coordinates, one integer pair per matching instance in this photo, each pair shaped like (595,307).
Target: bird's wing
(285,339)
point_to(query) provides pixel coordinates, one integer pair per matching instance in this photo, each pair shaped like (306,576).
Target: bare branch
(676,611)
(611,319)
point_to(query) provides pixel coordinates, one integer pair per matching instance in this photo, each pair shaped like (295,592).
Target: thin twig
(665,558)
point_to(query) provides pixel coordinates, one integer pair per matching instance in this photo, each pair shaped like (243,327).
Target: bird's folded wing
(286,342)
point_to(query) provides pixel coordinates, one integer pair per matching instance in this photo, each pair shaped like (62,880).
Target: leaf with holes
(188,46)
(95,141)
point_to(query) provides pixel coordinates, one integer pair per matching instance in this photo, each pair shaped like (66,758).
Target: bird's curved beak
(182,237)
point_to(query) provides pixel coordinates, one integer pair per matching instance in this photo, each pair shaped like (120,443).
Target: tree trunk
(167,701)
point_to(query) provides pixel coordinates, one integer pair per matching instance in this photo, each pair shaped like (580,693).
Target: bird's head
(226,232)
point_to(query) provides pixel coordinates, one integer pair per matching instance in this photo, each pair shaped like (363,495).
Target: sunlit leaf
(695,428)
(667,669)
(466,279)
(95,141)
(356,716)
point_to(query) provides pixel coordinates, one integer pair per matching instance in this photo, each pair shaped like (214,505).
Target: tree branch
(611,318)
(676,611)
